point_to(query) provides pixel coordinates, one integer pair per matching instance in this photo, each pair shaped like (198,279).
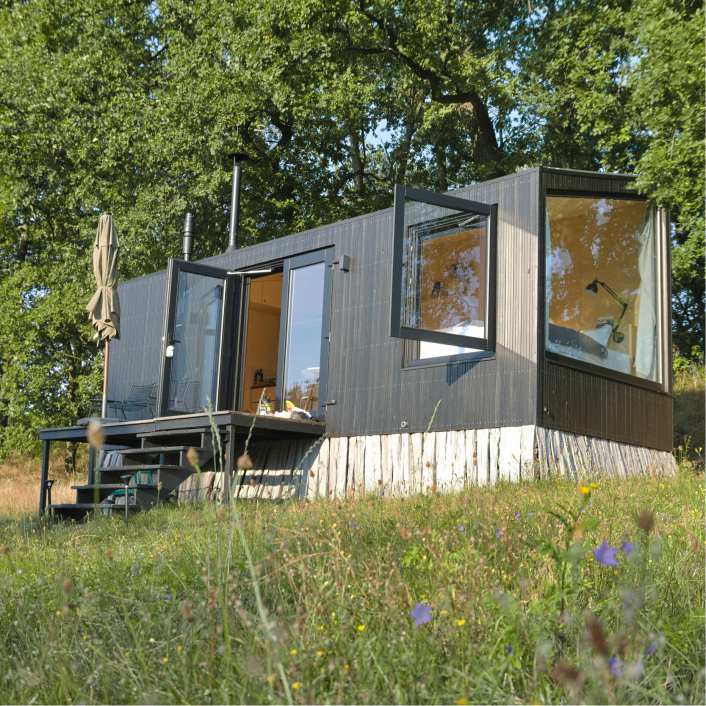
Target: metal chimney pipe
(188,236)
(235,203)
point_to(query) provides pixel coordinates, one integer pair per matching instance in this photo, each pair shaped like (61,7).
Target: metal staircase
(142,478)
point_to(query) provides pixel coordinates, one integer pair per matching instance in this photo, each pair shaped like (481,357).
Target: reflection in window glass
(197,330)
(601,278)
(444,287)
(304,332)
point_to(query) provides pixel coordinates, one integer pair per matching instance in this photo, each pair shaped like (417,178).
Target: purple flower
(498,533)
(605,554)
(508,649)
(627,548)
(518,515)
(651,648)
(462,528)
(421,613)
(616,666)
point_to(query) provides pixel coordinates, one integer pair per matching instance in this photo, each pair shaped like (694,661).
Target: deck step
(114,486)
(78,511)
(126,470)
(151,450)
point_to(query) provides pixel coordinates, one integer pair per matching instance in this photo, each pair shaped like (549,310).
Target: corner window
(443,292)
(602,283)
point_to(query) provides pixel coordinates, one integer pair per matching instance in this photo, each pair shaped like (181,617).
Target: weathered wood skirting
(405,464)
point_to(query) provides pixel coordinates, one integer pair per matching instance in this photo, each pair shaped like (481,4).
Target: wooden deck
(160,434)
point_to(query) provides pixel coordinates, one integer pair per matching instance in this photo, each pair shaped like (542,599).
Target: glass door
(304,332)
(198,337)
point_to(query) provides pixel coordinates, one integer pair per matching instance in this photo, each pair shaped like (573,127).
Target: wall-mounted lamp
(592,287)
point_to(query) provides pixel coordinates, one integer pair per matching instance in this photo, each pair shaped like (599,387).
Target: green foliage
(133,107)
(163,609)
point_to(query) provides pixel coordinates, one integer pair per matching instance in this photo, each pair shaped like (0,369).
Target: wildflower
(405,533)
(360,627)
(646,521)
(509,649)
(567,675)
(421,614)
(461,622)
(346,668)
(605,554)
(627,548)
(192,456)
(320,653)
(518,515)
(498,533)
(596,636)
(616,666)
(244,462)
(585,490)
(462,701)
(462,528)
(95,435)
(179,649)
(593,486)
(165,659)
(297,685)
(293,652)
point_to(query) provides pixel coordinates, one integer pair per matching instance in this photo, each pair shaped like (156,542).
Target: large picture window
(602,283)
(443,278)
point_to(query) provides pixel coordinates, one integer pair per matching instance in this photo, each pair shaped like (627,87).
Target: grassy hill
(501,595)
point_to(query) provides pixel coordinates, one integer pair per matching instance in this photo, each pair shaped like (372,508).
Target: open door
(198,350)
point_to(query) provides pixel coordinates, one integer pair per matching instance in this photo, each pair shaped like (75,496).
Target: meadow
(532,593)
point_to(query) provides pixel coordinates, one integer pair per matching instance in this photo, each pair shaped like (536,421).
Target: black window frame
(663,280)
(397,329)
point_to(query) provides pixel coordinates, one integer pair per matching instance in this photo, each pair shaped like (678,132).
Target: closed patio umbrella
(104,307)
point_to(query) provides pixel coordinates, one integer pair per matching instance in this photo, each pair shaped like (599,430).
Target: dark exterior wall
(373,393)
(587,402)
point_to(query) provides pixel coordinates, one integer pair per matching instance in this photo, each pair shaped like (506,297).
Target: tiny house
(513,329)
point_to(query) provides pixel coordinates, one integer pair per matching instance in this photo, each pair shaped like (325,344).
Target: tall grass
(164,609)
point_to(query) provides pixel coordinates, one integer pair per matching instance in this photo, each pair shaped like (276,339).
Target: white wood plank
(483,456)
(428,461)
(509,453)
(494,454)
(471,460)
(372,457)
(527,446)
(414,461)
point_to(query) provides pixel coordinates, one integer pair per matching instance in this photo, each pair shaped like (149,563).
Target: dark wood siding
(584,403)
(373,392)
(587,402)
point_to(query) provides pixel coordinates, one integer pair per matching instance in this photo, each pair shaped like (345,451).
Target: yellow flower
(320,653)
(462,702)
(293,652)
(361,628)
(297,685)
(585,490)
(179,648)
(346,668)
(594,486)
(461,622)
(165,659)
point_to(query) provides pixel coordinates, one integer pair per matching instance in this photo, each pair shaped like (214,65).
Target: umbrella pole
(106,355)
